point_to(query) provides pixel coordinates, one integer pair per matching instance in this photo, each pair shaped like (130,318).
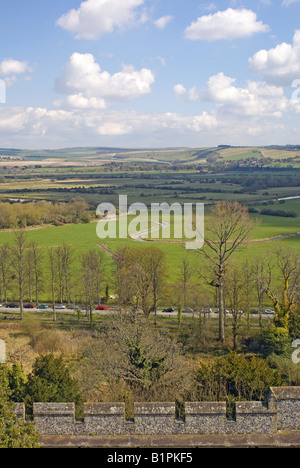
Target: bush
(50,381)
(276,340)
(235,378)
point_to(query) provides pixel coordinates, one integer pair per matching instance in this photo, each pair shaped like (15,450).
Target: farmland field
(178,175)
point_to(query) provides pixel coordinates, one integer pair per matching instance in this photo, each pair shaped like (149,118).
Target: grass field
(154,176)
(271,233)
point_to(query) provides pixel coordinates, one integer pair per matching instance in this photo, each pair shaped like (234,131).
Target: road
(113,311)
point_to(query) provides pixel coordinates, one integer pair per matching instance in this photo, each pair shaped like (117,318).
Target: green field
(271,233)
(254,176)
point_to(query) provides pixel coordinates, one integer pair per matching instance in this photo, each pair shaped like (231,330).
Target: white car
(269,312)
(60,306)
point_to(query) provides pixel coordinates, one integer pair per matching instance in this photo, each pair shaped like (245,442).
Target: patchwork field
(179,175)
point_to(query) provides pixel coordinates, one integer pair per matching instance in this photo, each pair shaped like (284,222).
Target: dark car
(12,305)
(169,309)
(28,306)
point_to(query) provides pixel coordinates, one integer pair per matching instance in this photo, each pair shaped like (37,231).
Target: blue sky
(149,73)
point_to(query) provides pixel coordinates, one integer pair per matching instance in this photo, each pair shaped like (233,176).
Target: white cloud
(97,17)
(13,67)
(179,90)
(282,63)
(162,22)
(191,95)
(257,99)
(289,2)
(10,69)
(45,128)
(87,86)
(225,25)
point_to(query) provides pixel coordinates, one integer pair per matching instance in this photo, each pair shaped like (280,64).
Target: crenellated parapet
(280,410)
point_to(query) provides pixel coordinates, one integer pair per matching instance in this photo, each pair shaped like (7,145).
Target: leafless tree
(228,226)
(37,260)
(92,268)
(5,269)
(53,276)
(67,260)
(141,273)
(262,277)
(18,262)
(235,298)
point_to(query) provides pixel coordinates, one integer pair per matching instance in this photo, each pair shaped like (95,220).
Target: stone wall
(280,410)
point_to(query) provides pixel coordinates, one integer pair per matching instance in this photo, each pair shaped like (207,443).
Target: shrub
(276,340)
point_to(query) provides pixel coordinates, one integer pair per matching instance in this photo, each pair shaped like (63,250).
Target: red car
(101,308)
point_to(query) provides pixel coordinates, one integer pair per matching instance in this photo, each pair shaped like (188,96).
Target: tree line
(27,271)
(139,275)
(22,215)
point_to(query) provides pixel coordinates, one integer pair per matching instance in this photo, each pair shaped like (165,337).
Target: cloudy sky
(149,73)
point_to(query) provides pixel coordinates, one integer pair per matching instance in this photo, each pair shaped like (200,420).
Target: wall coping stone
(91,409)
(285,393)
(150,408)
(205,407)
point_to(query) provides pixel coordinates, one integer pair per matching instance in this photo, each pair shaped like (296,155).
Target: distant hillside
(90,155)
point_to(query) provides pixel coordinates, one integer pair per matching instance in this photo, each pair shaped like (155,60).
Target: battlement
(280,410)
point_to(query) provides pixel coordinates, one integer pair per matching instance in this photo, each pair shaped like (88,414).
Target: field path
(107,250)
(272,239)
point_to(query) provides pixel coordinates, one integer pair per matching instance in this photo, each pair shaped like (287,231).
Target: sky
(149,73)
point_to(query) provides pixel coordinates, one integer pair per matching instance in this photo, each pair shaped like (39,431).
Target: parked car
(60,306)
(12,305)
(28,306)
(100,307)
(269,312)
(169,309)
(208,310)
(42,306)
(187,310)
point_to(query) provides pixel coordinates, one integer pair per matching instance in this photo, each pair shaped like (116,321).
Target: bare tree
(37,259)
(141,273)
(18,260)
(5,268)
(53,276)
(186,273)
(228,226)
(92,266)
(146,360)
(29,273)
(67,261)
(262,269)
(236,299)
(60,273)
